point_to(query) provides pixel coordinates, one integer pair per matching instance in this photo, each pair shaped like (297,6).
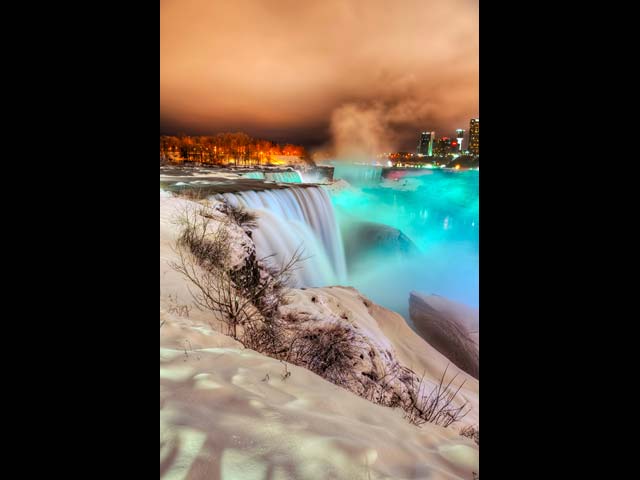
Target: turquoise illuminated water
(438,210)
(280,177)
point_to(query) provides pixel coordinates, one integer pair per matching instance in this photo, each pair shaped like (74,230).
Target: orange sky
(370,72)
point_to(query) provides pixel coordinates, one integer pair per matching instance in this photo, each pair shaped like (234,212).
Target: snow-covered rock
(452,328)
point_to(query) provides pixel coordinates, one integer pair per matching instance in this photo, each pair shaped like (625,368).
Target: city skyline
(471,136)
(204,147)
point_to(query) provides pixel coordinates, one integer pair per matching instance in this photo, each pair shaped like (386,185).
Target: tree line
(227,149)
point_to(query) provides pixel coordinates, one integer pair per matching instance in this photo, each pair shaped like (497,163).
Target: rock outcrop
(369,238)
(450,327)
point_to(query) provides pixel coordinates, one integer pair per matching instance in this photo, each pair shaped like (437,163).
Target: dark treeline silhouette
(228,149)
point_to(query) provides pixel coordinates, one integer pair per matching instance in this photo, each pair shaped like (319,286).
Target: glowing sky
(372,73)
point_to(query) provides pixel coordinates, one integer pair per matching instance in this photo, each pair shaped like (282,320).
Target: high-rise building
(459,137)
(425,146)
(474,136)
(445,146)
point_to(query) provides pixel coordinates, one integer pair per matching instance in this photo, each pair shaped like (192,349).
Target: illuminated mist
(438,215)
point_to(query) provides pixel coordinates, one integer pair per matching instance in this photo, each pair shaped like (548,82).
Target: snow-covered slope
(231,413)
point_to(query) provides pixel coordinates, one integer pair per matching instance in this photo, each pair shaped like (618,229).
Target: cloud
(320,69)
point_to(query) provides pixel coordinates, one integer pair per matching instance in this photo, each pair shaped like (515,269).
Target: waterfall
(254,175)
(284,177)
(292,176)
(314,176)
(358,174)
(297,217)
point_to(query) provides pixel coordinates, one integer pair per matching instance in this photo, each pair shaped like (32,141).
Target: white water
(313,177)
(297,217)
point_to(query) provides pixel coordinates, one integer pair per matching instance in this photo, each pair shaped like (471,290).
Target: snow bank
(227,412)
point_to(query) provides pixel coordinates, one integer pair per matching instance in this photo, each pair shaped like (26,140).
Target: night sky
(355,75)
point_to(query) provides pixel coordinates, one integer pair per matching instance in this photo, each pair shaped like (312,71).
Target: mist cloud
(365,75)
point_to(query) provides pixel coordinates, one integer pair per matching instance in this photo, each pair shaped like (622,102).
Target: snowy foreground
(231,413)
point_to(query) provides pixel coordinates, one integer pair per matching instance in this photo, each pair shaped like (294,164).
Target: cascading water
(284,177)
(293,218)
(315,176)
(254,175)
(359,175)
(279,177)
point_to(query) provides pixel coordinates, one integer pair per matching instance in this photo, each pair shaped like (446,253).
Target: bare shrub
(176,308)
(265,282)
(385,394)
(215,292)
(328,350)
(438,407)
(210,249)
(471,432)
(244,299)
(238,215)
(190,192)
